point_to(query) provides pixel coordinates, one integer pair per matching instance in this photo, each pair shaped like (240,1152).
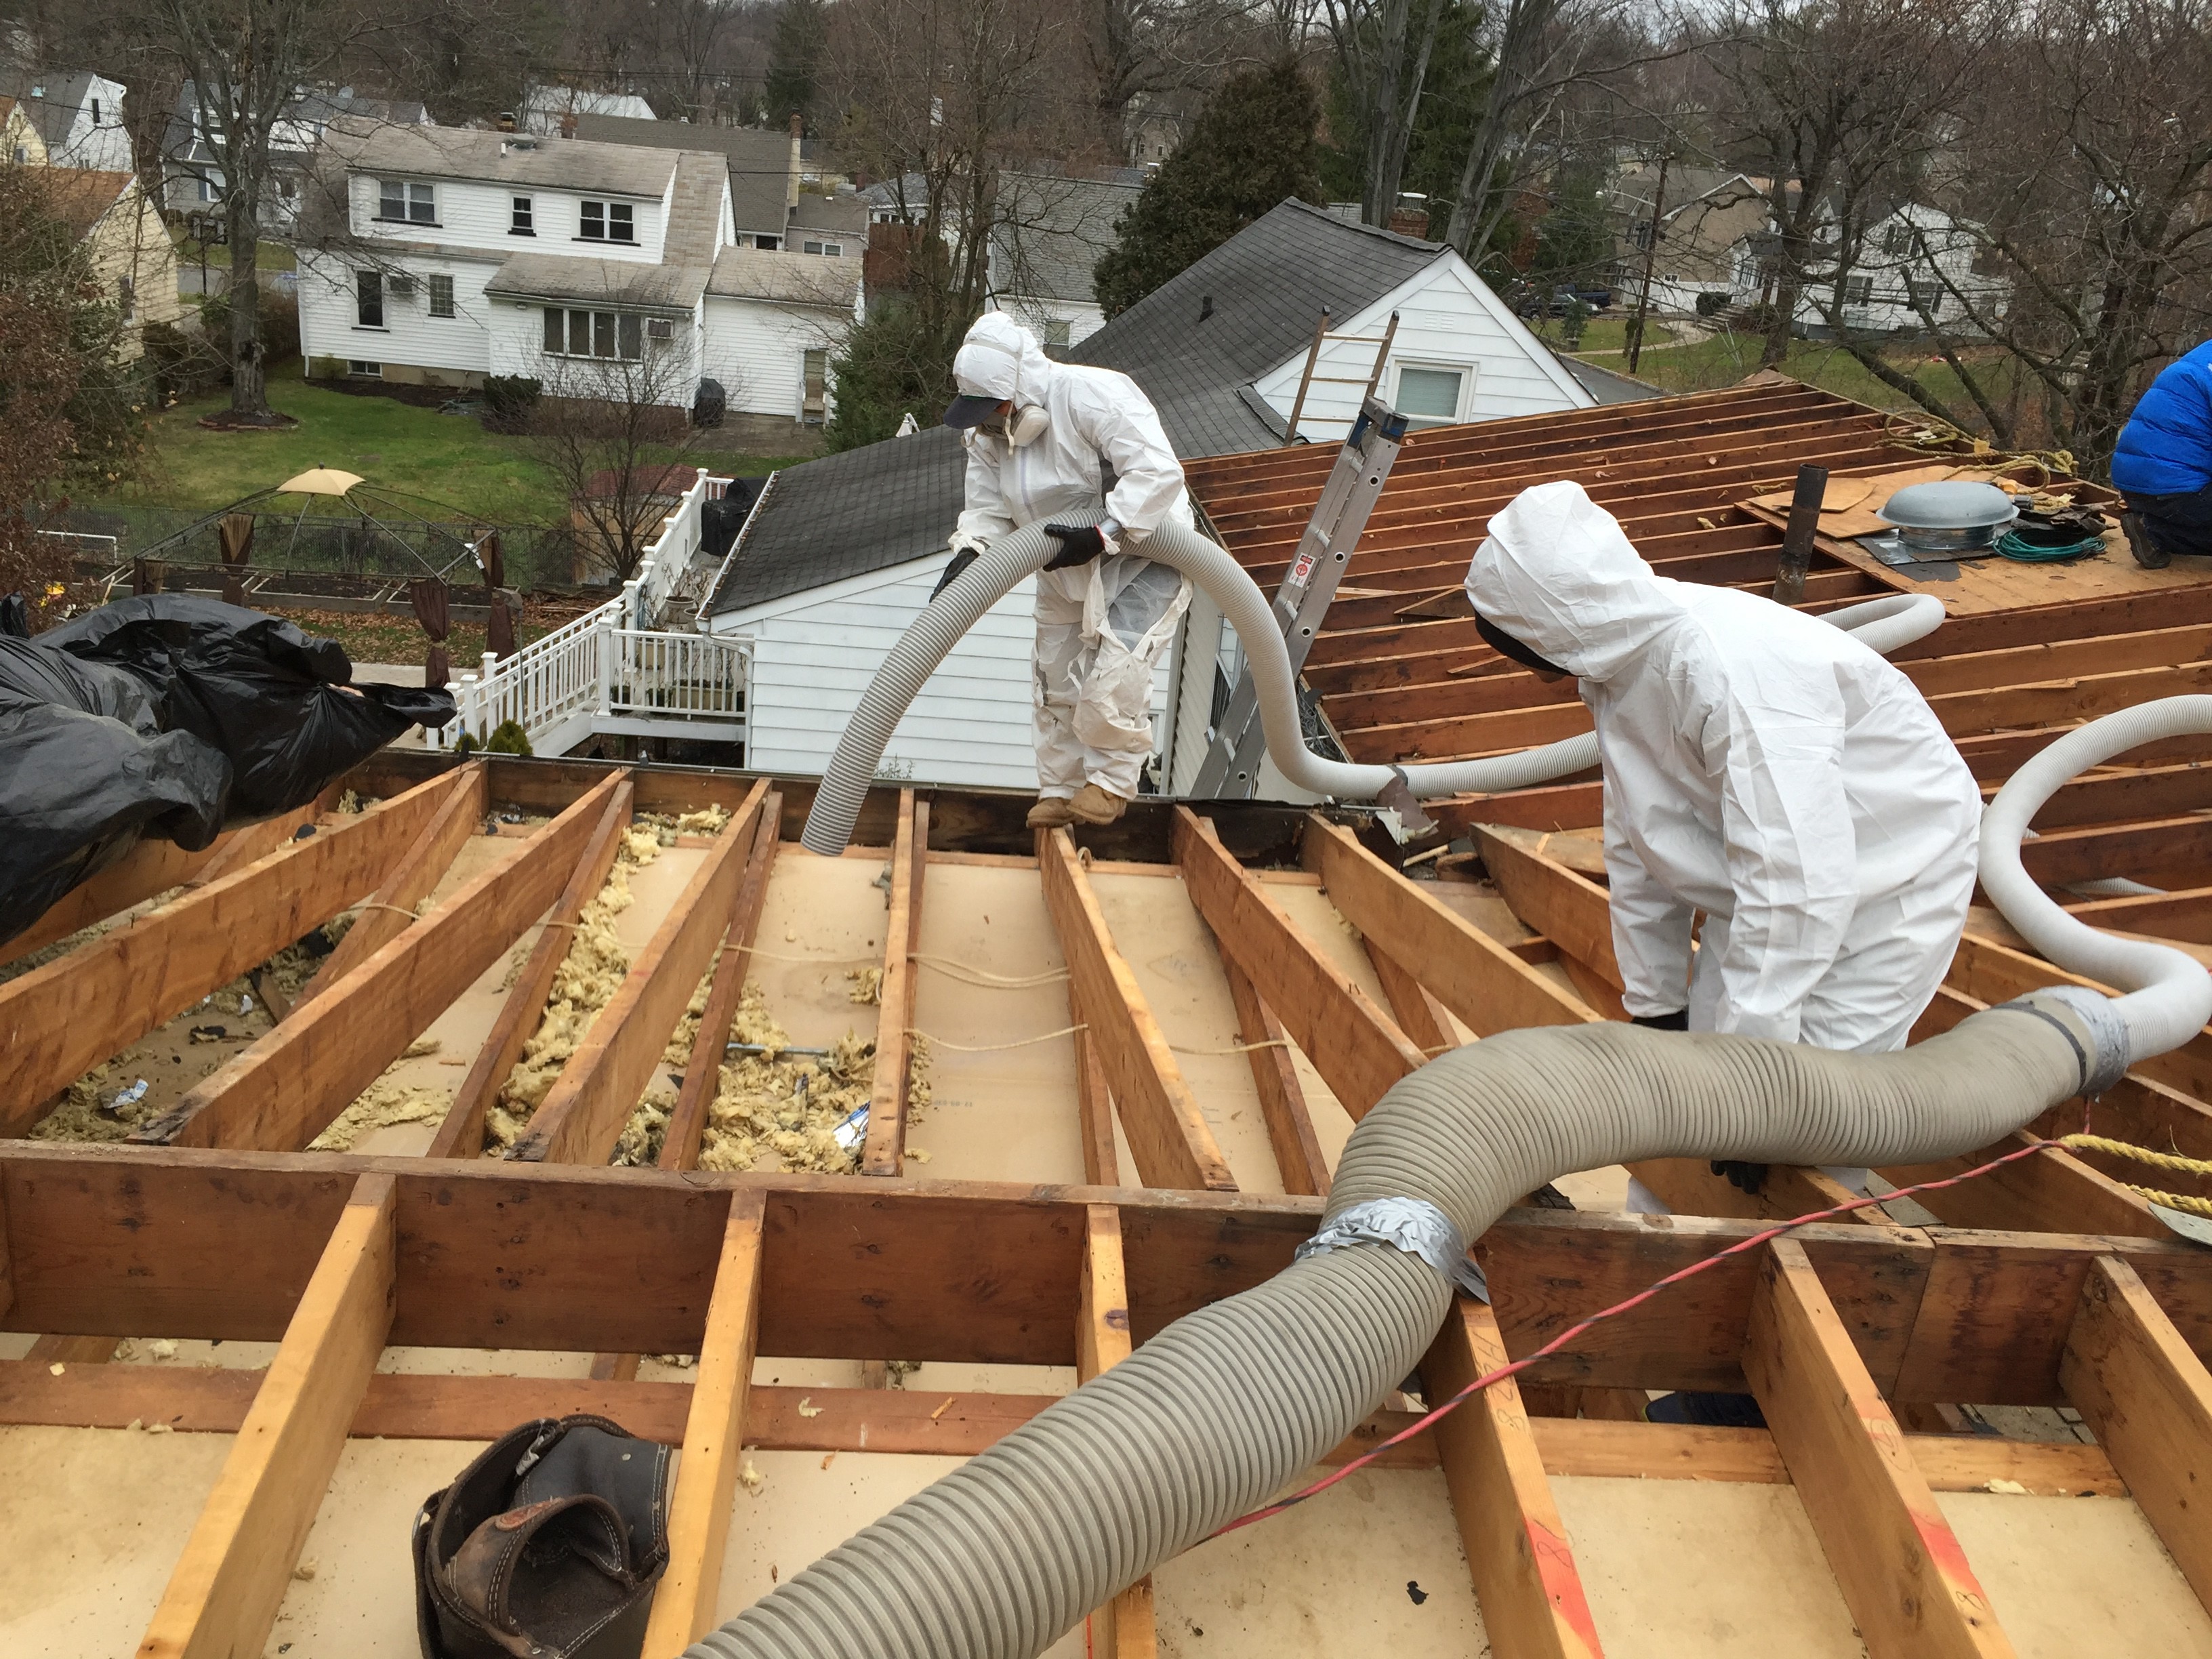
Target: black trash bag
(277,701)
(15,618)
(88,772)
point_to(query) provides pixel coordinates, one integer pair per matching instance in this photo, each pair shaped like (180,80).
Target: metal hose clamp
(1412,1225)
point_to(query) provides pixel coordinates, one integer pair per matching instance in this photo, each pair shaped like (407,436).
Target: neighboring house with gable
(77,115)
(549,110)
(133,261)
(839,554)
(453,253)
(192,178)
(1046,243)
(20,143)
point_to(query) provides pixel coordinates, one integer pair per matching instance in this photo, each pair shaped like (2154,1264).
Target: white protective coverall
(1760,766)
(1101,627)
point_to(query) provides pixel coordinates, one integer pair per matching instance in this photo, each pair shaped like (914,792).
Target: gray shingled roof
(62,93)
(800,279)
(695,210)
(759,162)
(501,158)
(869,509)
(846,215)
(1055,231)
(598,281)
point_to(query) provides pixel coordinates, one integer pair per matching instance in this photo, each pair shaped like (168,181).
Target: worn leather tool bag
(547,1546)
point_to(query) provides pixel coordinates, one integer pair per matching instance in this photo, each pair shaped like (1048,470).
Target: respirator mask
(1022,429)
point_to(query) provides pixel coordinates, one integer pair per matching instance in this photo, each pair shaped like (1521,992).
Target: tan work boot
(1092,805)
(1051,812)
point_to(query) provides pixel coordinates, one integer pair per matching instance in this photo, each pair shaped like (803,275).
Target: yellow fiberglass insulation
(586,982)
(383,1104)
(787,1109)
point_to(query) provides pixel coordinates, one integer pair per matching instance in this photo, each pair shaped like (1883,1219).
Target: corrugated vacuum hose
(1219,1412)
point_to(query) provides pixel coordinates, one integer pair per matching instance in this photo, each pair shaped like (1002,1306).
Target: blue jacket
(2165,448)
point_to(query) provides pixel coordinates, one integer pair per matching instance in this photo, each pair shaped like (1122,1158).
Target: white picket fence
(613,670)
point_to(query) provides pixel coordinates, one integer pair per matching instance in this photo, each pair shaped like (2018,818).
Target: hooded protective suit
(1101,627)
(1759,765)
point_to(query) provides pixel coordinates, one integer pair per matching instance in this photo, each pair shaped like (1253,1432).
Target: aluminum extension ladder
(1363,466)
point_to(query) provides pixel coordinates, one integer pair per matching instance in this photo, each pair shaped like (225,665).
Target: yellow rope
(396,909)
(2173,1161)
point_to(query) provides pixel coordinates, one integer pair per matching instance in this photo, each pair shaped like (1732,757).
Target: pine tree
(794,64)
(1252,146)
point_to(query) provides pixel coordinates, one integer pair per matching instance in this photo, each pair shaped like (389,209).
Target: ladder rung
(1338,379)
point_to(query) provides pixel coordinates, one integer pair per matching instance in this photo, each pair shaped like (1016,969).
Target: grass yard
(267,256)
(1606,333)
(368,637)
(449,459)
(1723,358)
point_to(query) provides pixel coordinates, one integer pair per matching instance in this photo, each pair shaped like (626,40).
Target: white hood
(1001,359)
(1559,575)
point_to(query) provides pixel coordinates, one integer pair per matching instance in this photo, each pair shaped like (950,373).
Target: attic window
(522,223)
(1430,396)
(95,112)
(605,222)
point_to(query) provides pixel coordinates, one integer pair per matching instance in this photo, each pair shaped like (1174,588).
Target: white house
(462,253)
(839,554)
(1912,267)
(1046,244)
(549,110)
(78,114)
(192,178)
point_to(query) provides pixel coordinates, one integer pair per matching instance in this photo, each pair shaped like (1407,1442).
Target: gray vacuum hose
(1885,623)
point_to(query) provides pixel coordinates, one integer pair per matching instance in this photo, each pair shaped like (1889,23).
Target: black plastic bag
(277,701)
(88,772)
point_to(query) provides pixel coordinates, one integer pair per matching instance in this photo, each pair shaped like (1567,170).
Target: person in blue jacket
(2164,464)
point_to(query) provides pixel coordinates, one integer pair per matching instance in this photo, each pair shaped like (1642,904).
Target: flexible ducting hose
(1884,623)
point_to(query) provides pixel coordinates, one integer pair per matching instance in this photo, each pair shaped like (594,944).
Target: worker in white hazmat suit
(1043,442)
(1760,766)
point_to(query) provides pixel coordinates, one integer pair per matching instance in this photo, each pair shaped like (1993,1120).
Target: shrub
(508,737)
(1712,304)
(509,401)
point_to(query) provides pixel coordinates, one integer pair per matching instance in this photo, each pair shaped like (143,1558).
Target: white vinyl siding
(758,350)
(411,334)
(1446,316)
(473,213)
(971,725)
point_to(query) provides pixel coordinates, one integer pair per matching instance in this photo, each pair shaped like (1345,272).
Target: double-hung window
(441,296)
(833,249)
(606,222)
(368,299)
(406,203)
(1858,290)
(523,219)
(611,334)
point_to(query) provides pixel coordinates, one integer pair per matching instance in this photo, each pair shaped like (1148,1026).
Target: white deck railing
(614,661)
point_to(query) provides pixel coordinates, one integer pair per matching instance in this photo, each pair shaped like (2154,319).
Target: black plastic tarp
(175,717)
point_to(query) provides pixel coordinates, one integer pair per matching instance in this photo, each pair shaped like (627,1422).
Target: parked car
(1528,299)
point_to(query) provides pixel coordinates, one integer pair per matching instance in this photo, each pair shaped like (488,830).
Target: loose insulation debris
(868,986)
(639,1146)
(787,1108)
(98,1106)
(386,1102)
(586,982)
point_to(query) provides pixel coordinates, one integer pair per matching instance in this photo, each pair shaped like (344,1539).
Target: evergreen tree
(795,57)
(891,366)
(1252,146)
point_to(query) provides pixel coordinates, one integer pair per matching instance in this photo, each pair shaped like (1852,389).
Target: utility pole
(1650,257)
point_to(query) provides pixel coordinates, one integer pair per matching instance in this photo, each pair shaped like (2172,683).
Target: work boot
(1092,805)
(1051,812)
(2149,554)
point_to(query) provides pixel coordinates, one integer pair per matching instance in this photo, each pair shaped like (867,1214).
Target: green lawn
(1600,334)
(1723,358)
(267,256)
(449,459)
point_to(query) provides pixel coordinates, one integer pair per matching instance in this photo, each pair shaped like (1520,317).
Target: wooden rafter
(1900,1567)
(1124,1627)
(222,1598)
(461,1135)
(582,1117)
(1167,1133)
(1357,1048)
(884,1152)
(1298,1156)
(282,1091)
(61,1019)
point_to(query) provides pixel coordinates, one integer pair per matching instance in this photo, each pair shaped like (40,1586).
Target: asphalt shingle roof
(501,158)
(869,509)
(1055,231)
(598,281)
(759,162)
(803,279)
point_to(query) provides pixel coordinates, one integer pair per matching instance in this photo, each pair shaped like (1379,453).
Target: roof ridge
(1362,226)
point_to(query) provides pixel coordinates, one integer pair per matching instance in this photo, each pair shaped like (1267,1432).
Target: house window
(95,112)
(768,244)
(834,249)
(815,368)
(23,159)
(368,299)
(606,222)
(126,297)
(610,334)
(659,330)
(406,204)
(521,223)
(1858,290)
(1430,396)
(207,190)
(1639,234)
(1055,332)
(1928,297)
(441,296)
(365,371)
(1897,239)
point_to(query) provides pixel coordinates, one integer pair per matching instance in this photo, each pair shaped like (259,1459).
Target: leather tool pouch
(547,1546)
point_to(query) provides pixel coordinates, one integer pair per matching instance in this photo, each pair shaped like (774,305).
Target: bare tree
(613,427)
(1384,47)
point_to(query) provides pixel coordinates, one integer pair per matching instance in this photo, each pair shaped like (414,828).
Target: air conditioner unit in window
(660,328)
(400,285)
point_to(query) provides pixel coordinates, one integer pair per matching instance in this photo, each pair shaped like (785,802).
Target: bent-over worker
(1760,766)
(2163,464)
(1042,438)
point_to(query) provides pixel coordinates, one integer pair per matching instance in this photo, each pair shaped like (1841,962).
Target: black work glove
(961,561)
(1744,1177)
(1677,1021)
(1079,543)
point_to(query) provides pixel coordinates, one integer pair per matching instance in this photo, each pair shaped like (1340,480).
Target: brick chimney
(798,130)
(1410,220)
(568,124)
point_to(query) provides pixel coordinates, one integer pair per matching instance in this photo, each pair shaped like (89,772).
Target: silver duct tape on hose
(1887,623)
